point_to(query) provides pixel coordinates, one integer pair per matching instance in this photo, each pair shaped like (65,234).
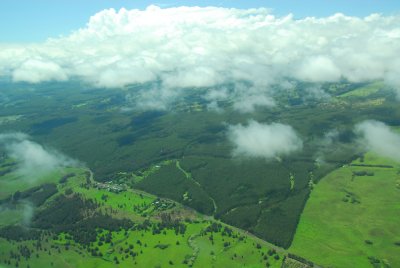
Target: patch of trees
(22,252)
(162,246)
(63,211)
(213,228)
(368,242)
(168,223)
(170,182)
(243,217)
(366,165)
(300,259)
(363,173)
(278,223)
(36,195)
(237,188)
(351,197)
(374,261)
(19,233)
(78,218)
(5,171)
(47,126)
(65,178)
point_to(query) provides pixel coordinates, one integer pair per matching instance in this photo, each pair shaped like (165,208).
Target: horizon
(35,22)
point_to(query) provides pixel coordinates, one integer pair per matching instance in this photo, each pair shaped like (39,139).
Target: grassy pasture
(351,218)
(12,182)
(160,250)
(365,91)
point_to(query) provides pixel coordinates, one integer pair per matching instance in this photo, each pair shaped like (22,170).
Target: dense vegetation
(125,146)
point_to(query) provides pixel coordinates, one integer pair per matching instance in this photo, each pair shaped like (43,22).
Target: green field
(365,90)
(12,182)
(353,221)
(162,250)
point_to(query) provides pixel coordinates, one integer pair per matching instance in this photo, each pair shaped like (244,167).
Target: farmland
(158,227)
(351,220)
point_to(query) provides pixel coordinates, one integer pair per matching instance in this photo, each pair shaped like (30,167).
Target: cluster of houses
(110,186)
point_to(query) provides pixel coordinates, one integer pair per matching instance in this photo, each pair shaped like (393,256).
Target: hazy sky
(35,21)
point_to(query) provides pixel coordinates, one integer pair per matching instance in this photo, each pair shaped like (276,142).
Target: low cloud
(33,160)
(379,138)
(315,93)
(249,103)
(22,212)
(195,47)
(36,71)
(27,213)
(318,69)
(264,140)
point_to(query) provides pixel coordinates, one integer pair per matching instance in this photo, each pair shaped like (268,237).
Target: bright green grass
(12,182)
(332,232)
(65,259)
(122,201)
(10,216)
(365,91)
(247,255)
(238,254)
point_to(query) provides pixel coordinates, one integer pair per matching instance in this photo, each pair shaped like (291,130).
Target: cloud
(197,47)
(248,98)
(151,97)
(27,213)
(379,138)
(316,93)
(251,102)
(33,160)
(318,69)
(35,71)
(264,140)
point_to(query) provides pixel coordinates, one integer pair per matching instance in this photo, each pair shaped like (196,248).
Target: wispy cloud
(379,138)
(264,140)
(33,160)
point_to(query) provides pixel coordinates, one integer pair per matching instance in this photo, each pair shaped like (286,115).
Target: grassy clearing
(351,218)
(365,90)
(124,201)
(12,182)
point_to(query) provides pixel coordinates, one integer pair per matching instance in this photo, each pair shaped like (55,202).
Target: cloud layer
(379,138)
(184,47)
(32,158)
(264,140)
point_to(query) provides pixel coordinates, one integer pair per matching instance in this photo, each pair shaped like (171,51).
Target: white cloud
(379,138)
(318,69)
(314,93)
(151,97)
(264,140)
(27,213)
(211,46)
(35,71)
(249,103)
(33,160)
